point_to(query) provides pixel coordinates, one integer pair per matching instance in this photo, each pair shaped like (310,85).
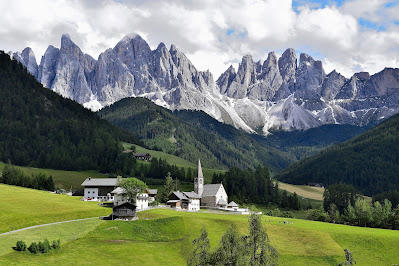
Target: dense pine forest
(255,186)
(42,129)
(370,162)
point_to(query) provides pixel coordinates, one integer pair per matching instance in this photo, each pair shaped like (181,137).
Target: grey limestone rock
(257,96)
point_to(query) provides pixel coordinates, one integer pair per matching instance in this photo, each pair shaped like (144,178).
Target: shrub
(56,244)
(44,246)
(20,246)
(287,214)
(269,213)
(33,248)
(317,214)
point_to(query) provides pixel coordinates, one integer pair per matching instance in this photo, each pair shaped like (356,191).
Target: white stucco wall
(142,204)
(221,194)
(91,193)
(194,205)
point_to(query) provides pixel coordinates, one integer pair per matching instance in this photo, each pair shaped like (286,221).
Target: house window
(88,192)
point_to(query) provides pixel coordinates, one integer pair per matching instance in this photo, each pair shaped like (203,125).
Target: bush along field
(165,237)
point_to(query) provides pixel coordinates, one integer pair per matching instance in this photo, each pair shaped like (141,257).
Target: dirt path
(40,225)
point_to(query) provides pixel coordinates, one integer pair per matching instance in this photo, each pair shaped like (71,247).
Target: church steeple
(199,179)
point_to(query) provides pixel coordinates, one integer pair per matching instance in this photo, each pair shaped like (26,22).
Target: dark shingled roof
(180,195)
(100,182)
(192,195)
(152,191)
(211,189)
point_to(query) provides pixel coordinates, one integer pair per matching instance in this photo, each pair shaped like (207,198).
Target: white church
(212,195)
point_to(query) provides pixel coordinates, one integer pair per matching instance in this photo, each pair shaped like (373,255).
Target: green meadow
(62,179)
(164,237)
(24,207)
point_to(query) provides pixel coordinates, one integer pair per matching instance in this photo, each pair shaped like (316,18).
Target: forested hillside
(218,145)
(42,129)
(370,162)
(296,144)
(194,134)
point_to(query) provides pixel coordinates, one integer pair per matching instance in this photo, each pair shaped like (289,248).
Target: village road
(40,225)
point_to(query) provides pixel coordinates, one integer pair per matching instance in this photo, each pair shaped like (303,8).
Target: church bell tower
(199,180)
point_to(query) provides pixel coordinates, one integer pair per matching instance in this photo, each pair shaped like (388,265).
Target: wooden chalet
(315,184)
(125,211)
(142,156)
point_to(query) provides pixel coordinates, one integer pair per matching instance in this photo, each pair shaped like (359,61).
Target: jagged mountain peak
(274,93)
(161,45)
(66,42)
(129,37)
(362,75)
(304,57)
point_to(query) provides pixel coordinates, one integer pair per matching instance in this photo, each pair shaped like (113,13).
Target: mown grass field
(23,207)
(309,192)
(163,237)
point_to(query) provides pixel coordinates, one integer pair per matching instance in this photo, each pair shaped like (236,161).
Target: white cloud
(200,29)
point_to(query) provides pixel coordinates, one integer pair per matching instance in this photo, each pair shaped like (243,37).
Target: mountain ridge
(277,94)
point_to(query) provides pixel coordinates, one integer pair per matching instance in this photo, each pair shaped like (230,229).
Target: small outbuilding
(125,211)
(142,156)
(232,205)
(152,194)
(315,184)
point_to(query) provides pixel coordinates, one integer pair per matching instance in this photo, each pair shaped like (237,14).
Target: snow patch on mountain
(275,94)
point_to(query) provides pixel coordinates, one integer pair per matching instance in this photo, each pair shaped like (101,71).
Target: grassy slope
(66,232)
(168,241)
(174,160)
(303,191)
(23,207)
(62,179)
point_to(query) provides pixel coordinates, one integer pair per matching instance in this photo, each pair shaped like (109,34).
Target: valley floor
(163,237)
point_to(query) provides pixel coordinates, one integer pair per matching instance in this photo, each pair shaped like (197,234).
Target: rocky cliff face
(258,96)
(28,59)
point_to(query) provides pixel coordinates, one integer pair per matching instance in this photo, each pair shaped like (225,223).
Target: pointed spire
(198,172)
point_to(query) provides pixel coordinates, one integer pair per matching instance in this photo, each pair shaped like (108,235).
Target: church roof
(198,171)
(211,189)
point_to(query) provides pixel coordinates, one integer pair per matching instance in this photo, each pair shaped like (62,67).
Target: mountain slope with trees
(194,134)
(42,129)
(369,162)
(222,147)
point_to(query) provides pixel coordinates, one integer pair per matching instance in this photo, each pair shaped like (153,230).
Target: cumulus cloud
(214,33)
